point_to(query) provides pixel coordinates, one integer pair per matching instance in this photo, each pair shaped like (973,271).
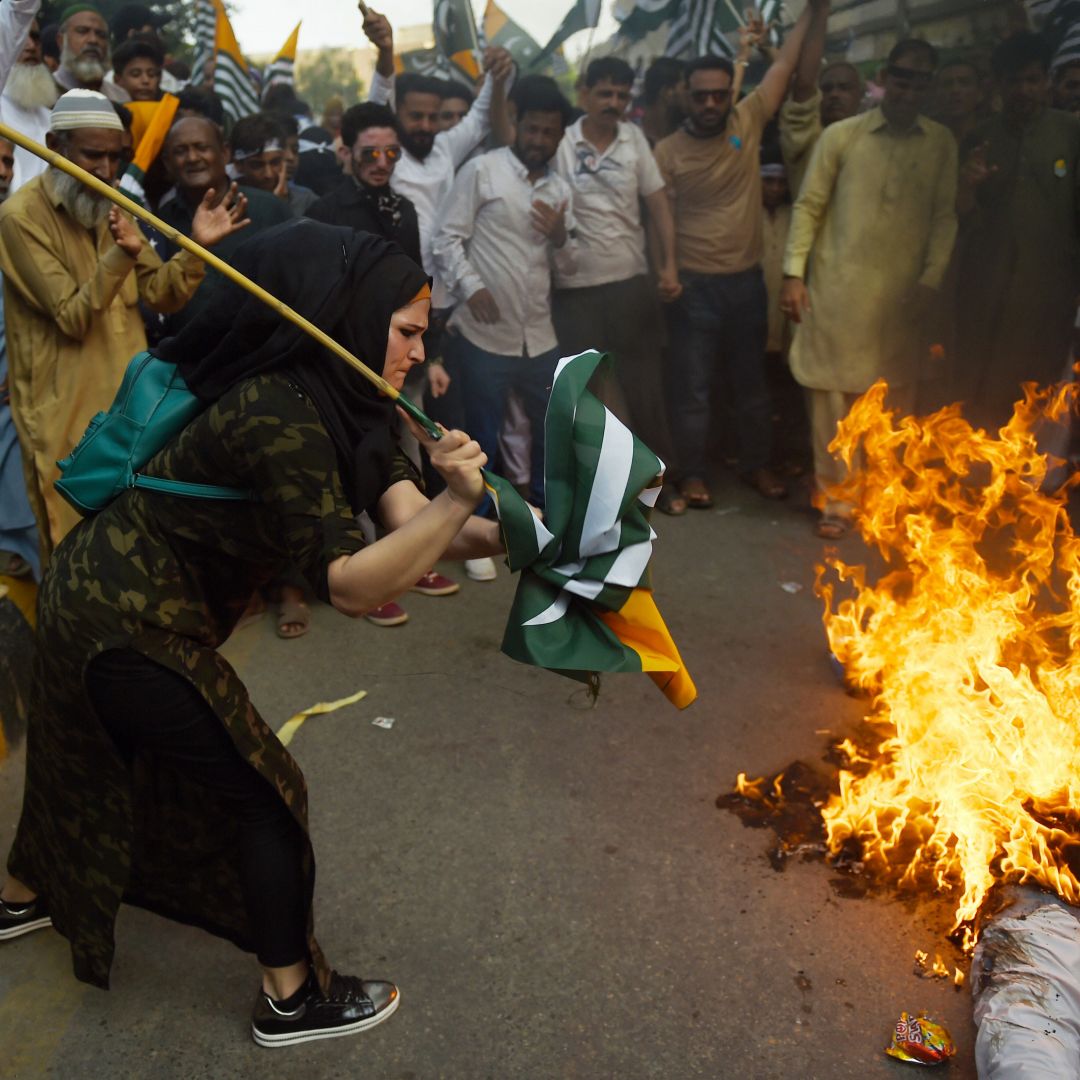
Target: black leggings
(146,708)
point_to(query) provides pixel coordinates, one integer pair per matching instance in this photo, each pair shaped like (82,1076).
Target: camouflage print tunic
(170,577)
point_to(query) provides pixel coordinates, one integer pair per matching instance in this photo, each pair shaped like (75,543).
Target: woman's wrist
(461,504)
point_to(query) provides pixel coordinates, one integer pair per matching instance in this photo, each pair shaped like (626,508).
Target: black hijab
(347,283)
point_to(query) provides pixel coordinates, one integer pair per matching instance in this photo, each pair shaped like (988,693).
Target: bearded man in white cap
(75,268)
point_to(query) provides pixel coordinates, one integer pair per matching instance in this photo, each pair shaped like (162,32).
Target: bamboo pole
(208,257)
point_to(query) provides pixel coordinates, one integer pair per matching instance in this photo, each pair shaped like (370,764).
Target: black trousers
(148,709)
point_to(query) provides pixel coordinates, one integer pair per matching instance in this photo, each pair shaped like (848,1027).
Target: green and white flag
(455,37)
(704,28)
(584,603)
(205,26)
(232,79)
(584,15)
(501,30)
(280,70)
(645,17)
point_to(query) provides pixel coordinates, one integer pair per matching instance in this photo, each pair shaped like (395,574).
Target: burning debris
(969,647)
(964,779)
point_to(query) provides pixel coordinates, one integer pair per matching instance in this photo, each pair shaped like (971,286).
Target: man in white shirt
(610,302)
(506,224)
(432,156)
(29,91)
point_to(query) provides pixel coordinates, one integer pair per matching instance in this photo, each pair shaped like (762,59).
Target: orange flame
(969,643)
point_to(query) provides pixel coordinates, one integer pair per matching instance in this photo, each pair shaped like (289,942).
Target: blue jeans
(718,334)
(486,380)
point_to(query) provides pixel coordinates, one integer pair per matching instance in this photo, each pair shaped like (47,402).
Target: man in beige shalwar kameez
(876,222)
(74,273)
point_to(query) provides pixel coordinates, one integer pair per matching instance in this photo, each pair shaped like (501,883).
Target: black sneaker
(352,1005)
(19,919)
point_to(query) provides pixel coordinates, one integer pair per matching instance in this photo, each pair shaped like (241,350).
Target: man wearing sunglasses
(719,322)
(877,215)
(365,200)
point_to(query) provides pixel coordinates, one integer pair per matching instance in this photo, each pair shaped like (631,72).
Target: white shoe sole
(25,928)
(487,574)
(289,1038)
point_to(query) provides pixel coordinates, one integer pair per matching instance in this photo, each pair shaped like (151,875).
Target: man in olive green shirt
(876,215)
(1018,279)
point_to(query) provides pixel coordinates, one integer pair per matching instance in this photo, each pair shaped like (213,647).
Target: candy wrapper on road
(920,1040)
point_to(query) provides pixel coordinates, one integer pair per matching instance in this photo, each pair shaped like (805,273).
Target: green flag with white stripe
(584,601)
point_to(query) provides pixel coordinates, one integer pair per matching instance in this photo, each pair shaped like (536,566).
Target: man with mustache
(29,91)
(85,57)
(431,156)
(876,218)
(719,322)
(507,222)
(74,271)
(610,301)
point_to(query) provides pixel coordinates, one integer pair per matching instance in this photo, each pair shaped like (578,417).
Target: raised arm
(774,86)
(808,68)
(489,107)
(381,34)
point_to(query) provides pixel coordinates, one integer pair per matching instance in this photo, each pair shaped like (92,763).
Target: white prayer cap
(84,109)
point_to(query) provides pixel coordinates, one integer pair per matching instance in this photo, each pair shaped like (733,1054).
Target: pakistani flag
(584,604)
(232,79)
(501,30)
(582,16)
(702,28)
(151,123)
(205,27)
(422,62)
(279,72)
(455,37)
(645,17)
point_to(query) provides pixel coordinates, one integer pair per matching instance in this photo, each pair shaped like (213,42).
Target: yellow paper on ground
(295,723)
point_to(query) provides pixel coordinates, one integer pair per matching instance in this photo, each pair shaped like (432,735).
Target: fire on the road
(969,645)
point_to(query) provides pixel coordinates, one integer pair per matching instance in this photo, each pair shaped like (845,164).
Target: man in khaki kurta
(876,219)
(71,293)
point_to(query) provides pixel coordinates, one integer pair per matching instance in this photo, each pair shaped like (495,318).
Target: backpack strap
(189,491)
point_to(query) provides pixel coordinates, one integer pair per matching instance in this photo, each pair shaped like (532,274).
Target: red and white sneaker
(435,584)
(388,615)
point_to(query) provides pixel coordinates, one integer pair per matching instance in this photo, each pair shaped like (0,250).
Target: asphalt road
(552,886)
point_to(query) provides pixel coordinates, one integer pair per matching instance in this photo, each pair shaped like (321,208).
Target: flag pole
(181,240)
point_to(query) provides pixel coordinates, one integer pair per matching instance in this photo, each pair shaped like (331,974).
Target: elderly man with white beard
(85,57)
(75,269)
(29,94)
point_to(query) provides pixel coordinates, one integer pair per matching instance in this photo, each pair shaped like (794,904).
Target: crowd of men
(753,257)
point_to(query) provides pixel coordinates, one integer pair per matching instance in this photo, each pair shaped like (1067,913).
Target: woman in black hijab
(150,777)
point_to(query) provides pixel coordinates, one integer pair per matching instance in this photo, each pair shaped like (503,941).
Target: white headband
(266,148)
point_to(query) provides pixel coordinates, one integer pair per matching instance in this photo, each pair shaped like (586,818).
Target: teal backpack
(152,406)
